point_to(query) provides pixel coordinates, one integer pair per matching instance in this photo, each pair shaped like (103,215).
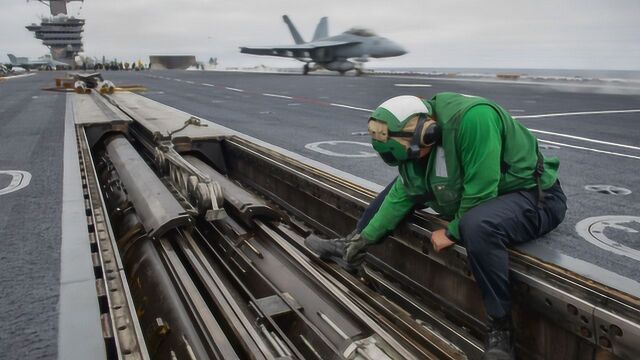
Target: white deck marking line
(412,85)
(178,80)
(585,139)
(189,82)
(205,84)
(509,82)
(593,230)
(578,113)
(590,149)
(19,180)
(18,76)
(315,146)
(278,96)
(351,107)
(234,89)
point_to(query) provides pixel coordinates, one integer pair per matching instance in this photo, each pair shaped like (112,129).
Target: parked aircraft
(14,70)
(344,52)
(42,63)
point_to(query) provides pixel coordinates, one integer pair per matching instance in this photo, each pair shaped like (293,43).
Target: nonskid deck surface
(31,142)
(294,112)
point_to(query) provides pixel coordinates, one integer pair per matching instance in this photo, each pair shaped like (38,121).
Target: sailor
(466,158)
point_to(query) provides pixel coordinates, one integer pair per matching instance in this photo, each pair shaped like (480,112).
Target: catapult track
(223,274)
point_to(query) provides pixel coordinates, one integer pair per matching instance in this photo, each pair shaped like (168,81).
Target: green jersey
(483,153)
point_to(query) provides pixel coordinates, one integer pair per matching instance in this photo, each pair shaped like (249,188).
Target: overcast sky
(576,34)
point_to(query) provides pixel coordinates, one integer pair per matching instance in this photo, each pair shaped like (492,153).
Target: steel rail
(221,296)
(335,290)
(125,330)
(211,330)
(253,268)
(224,252)
(447,341)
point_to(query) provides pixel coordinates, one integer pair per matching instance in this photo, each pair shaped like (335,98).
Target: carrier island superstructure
(61,33)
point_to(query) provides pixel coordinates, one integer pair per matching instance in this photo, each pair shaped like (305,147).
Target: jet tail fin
(294,32)
(13,59)
(322,30)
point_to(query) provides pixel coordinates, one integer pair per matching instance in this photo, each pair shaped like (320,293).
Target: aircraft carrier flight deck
(297,129)
(305,115)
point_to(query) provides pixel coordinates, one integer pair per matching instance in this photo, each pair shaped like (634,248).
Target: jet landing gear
(305,69)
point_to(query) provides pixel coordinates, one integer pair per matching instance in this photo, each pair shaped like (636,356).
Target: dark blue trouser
(487,229)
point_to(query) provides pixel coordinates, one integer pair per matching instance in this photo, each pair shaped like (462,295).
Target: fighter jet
(42,63)
(344,52)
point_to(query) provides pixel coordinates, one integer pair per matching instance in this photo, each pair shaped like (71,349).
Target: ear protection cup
(427,133)
(414,148)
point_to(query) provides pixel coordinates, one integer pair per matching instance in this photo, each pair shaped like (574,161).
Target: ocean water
(533,74)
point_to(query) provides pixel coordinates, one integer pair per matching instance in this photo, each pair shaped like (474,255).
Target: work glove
(354,248)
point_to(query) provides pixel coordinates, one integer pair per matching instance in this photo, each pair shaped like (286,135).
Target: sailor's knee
(475,232)
(473,224)
(557,210)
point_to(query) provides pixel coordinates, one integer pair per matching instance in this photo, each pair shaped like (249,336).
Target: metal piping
(158,210)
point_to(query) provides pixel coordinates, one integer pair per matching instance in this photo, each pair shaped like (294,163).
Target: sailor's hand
(354,247)
(440,241)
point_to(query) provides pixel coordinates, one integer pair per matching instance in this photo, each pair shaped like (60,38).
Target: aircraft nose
(398,50)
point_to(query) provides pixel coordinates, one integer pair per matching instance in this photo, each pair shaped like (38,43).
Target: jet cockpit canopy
(360,32)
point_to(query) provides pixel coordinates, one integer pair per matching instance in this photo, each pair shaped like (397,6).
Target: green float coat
(480,140)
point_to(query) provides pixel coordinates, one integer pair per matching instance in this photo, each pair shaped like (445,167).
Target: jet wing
(37,62)
(295,51)
(59,63)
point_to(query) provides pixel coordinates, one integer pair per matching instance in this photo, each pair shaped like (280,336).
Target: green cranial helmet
(388,124)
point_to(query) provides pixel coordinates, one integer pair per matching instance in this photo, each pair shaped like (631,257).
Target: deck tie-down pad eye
(608,189)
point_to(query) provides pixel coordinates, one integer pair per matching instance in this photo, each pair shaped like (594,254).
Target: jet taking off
(332,52)
(46,63)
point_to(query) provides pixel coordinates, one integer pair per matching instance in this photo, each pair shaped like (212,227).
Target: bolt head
(615,330)
(604,342)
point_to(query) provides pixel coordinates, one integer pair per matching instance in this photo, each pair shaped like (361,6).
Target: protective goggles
(379,131)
